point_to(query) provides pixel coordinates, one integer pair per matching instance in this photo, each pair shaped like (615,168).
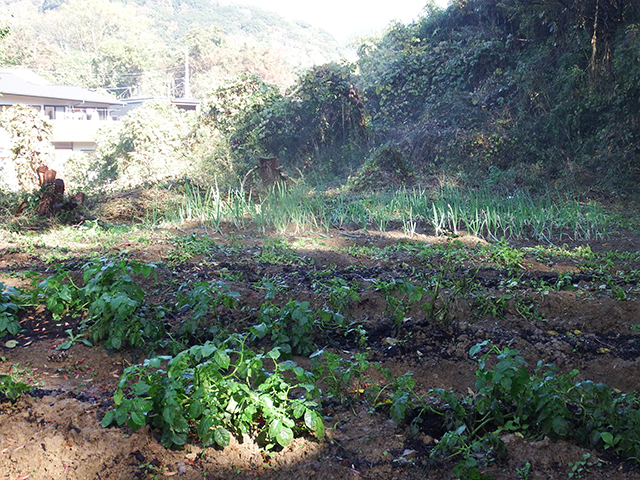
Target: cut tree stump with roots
(52,198)
(270,172)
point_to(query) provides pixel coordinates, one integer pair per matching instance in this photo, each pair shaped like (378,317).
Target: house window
(54,112)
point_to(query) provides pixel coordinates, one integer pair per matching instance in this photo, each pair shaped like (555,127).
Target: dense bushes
(511,85)
(146,146)
(319,125)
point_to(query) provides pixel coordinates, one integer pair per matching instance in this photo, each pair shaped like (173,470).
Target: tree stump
(51,194)
(52,198)
(271,171)
(49,176)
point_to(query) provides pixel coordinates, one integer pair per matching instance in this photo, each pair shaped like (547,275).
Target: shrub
(30,133)
(215,391)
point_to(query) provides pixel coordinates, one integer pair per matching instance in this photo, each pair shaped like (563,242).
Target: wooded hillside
(134,47)
(523,93)
(515,93)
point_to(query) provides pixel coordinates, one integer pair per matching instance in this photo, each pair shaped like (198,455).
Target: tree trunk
(271,171)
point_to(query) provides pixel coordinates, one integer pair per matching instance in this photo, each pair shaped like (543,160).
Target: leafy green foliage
(201,299)
(142,148)
(329,106)
(385,168)
(581,467)
(187,247)
(397,394)
(498,91)
(506,256)
(334,323)
(322,114)
(12,388)
(340,293)
(60,294)
(10,302)
(495,306)
(111,302)
(399,297)
(215,391)
(545,403)
(235,114)
(278,252)
(31,145)
(73,338)
(289,327)
(509,398)
(116,312)
(345,378)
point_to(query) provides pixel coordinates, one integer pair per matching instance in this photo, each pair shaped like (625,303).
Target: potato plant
(214,391)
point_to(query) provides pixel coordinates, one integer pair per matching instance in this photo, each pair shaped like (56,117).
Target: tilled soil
(54,431)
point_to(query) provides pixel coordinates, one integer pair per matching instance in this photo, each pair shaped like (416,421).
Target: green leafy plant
(345,378)
(492,305)
(201,299)
(333,322)
(187,247)
(290,327)
(581,467)
(60,294)
(399,297)
(111,302)
(474,453)
(9,305)
(524,471)
(505,256)
(277,251)
(544,404)
(11,387)
(73,338)
(341,294)
(116,310)
(215,391)
(510,398)
(273,286)
(526,308)
(438,304)
(398,394)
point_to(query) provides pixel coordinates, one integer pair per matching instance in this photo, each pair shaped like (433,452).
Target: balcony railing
(72,131)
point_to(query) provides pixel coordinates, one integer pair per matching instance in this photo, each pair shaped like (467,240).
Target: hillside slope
(514,92)
(133,47)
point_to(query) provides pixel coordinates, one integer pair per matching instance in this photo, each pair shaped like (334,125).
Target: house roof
(134,102)
(27,83)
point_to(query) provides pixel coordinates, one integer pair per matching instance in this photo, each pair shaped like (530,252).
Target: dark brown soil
(54,432)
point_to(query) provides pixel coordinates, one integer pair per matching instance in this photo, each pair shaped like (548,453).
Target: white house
(75,113)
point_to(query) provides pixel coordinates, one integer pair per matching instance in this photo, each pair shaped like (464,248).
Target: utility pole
(187,87)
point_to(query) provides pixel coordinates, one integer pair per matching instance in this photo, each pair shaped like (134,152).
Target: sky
(345,19)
